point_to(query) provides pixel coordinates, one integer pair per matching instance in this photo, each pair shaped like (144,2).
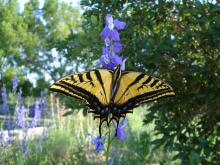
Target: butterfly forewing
(92,87)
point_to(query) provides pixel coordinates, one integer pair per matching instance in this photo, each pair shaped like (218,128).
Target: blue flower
(113,34)
(9,128)
(117,47)
(43,100)
(120,130)
(20,116)
(5,106)
(14,83)
(19,98)
(110,162)
(109,21)
(98,142)
(110,62)
(37,115)
(110,58)
(109,30)
(119,25)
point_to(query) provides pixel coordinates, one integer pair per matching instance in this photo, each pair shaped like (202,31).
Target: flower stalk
(108,145)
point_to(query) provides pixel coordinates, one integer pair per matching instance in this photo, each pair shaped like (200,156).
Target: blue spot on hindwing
(125,108)
(98,109)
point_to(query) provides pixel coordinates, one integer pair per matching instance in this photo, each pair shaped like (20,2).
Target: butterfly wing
(93,87)
(135,88)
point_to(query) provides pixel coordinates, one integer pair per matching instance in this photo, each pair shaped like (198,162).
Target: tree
(177,42)
(30,39)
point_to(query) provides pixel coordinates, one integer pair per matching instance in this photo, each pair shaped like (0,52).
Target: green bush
(178,42)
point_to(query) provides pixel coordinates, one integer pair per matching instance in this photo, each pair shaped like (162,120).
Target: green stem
(108,145)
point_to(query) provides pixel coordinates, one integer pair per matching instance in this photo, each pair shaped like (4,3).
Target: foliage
(179,42)
(30,38)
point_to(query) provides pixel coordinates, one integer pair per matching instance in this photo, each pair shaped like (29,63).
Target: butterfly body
(110,95)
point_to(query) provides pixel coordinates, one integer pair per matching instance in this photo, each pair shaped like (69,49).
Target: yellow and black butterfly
(109,94)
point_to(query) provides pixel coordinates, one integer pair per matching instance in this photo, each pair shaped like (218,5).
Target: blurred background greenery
(177,41)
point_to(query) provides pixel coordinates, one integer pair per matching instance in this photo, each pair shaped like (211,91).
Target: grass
(68,142)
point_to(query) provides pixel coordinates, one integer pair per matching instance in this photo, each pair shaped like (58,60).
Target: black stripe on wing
(138,78)
(147,97)
(119,111)
(99,78)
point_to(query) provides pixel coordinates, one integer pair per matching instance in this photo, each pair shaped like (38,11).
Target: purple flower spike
(98,142)
(4,94)
(20,99)
(110,63)
(116,60)
(119,25)
(105,57)
(117,46)
(20,116)
(10,128)
(5,107)
(37,115)
(14,83)
(109,58)
(109,21)
(107,42)
(113,34)
(120,130)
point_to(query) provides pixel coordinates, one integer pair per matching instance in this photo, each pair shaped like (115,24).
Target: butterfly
(110,95)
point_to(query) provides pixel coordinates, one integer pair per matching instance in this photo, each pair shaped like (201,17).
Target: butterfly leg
(100,125)
(116,128)
(100,129)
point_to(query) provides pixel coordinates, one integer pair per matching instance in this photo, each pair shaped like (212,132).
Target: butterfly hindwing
(135,88)
(92,87)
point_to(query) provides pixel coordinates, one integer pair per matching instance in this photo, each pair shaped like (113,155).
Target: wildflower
(5,106)
(120,130)
(119,25)
(23,143)
(110,58)
(43,100)
(109,30)
(14,83)
(117,47)
(113,34)
(37,115)
(98,142)
(20,99)
(110,162)
(20,116)
(10,128)
(110,62)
